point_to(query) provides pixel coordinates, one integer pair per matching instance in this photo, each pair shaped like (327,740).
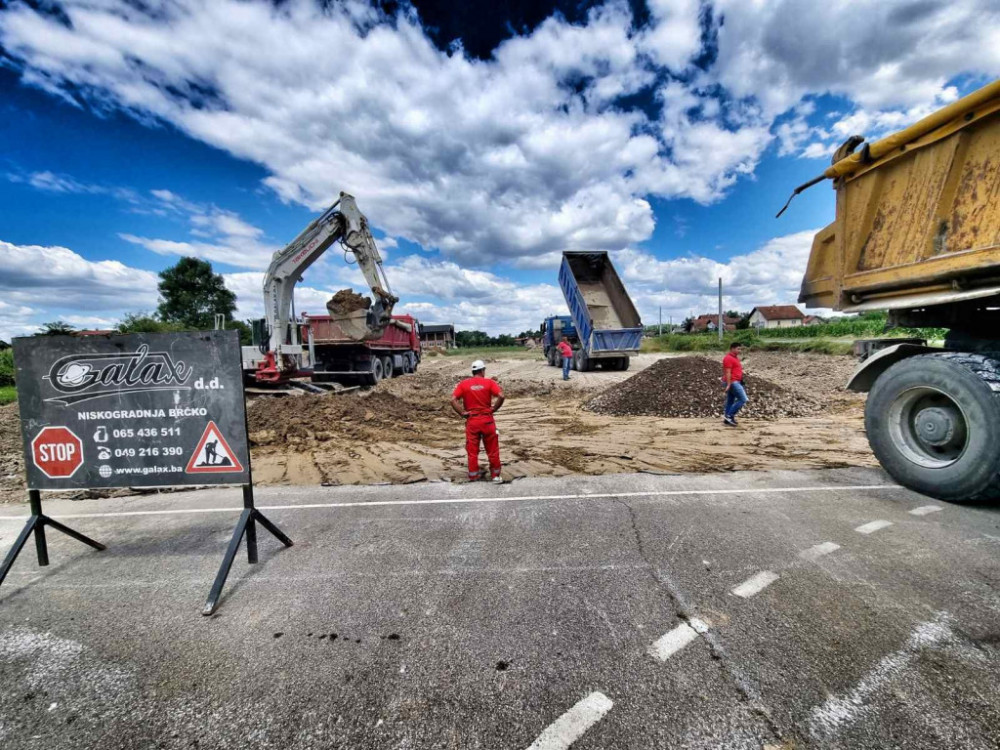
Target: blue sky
(481,146)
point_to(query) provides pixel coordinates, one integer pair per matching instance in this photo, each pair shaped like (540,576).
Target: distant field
(482,352)
(707,342)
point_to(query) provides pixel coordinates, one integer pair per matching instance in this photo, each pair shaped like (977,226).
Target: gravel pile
(691,387)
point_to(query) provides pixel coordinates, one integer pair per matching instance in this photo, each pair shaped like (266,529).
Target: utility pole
(661,320)
(720,309)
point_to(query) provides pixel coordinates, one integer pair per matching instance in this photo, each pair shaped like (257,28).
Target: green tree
(687,325)
(56,328)
(141,322)
(192,294)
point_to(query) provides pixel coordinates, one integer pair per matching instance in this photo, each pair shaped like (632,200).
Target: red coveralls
(477,396)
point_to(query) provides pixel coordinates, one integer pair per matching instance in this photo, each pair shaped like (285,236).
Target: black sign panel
(141,410)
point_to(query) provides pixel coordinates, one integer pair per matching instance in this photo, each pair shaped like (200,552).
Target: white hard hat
(478,365)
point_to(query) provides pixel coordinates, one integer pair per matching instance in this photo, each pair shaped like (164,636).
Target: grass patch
(6,367)
(481,352)
(8,394)
(678,342)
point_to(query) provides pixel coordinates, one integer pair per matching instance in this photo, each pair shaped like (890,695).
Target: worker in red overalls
(477,399)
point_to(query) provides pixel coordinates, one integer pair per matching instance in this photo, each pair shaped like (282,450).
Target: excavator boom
(343,223)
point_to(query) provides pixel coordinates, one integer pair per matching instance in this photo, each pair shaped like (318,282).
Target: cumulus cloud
(894,60)
(529,152)
(40,283)
(770,274)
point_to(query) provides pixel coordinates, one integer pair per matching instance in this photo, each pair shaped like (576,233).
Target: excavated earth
(692,387)
(347,301)
(404,430)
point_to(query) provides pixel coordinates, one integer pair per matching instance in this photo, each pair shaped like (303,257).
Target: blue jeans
(736,397)
(567,363)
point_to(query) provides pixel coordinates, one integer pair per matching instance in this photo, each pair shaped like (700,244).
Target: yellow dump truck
(917,233)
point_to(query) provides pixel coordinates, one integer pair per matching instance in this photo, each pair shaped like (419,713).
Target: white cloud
(894,59)
(772,274)
(223,237)
(39,284)
(527,153)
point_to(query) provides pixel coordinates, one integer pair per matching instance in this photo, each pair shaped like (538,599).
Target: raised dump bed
(918,215)
(606,321)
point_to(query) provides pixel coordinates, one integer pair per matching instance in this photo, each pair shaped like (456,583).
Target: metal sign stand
(247,525)
(36,524)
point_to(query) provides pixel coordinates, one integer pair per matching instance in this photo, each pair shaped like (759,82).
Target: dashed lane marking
(819,550)
(923,510)
(465,500)
(572,725)
(674,640)
(756,584)
(872,527)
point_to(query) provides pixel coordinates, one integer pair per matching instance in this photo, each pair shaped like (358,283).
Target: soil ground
(404,431)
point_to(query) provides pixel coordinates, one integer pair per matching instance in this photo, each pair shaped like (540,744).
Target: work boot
(498,479)
(729,421)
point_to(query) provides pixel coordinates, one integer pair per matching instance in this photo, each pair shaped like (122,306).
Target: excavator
(278,355)
(917,234)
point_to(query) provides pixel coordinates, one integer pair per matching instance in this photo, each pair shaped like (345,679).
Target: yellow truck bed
(918,215)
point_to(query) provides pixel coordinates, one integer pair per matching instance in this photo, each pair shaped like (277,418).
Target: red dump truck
(338,358)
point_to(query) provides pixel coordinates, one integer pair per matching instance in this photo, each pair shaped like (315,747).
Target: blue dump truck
(603,326)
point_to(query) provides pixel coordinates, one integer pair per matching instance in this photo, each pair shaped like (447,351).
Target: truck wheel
(623,363)
(407,363)
(388,371)
(933,422)
(581,361)
(376,373)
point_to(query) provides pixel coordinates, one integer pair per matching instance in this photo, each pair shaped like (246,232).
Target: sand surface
(404,430)
(408,433)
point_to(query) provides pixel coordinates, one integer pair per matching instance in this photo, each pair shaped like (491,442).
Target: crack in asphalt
(686,612)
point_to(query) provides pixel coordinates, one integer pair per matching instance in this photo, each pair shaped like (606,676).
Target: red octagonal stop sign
(57,452)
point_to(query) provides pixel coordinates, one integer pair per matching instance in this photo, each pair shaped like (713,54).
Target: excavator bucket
(356,316)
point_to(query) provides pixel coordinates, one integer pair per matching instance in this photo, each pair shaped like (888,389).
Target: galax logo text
(81,377)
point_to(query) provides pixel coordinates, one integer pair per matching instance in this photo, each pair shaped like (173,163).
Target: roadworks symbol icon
(213,454)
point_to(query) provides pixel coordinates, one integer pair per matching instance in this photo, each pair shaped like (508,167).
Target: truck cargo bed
(920,224)
(603,314)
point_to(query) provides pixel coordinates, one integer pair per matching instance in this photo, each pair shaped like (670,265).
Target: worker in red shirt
(477,399)
(566,351)
(732,376)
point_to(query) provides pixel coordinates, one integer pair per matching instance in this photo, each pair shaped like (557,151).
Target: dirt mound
(11,456)
(347,301)
(691,387)
(374,416)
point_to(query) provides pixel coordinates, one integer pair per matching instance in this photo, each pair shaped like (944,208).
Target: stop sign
(57,452)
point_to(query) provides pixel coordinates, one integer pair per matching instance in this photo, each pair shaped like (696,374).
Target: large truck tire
(388,371)
(933,422)
(374,377)
(624,363)
(581,361)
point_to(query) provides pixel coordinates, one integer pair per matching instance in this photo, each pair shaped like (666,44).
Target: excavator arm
(341,222)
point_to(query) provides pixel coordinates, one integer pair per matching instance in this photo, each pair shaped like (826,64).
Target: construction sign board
(139,410)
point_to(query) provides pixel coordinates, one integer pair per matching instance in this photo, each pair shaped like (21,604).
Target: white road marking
(461,500)
(819,550)
(923,510)
(571,726)
(872,527)
(674,640)
(840,710)
(756,584)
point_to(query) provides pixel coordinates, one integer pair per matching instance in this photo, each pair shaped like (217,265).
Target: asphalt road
(742,610)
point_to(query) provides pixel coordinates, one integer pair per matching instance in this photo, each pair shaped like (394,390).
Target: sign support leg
(36,527)
(246,526)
